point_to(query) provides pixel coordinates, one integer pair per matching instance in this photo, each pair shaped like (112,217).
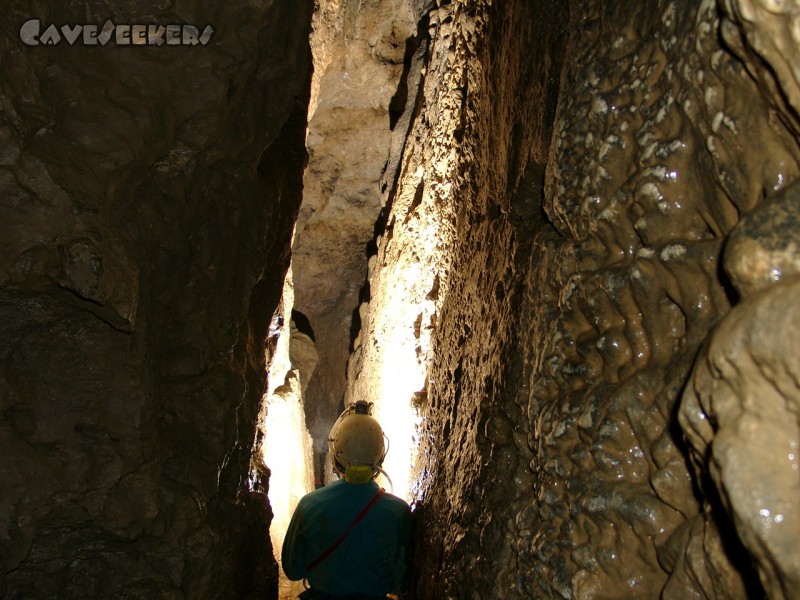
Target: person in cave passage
(350,538)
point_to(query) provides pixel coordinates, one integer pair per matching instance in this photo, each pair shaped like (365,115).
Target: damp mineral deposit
(567,215)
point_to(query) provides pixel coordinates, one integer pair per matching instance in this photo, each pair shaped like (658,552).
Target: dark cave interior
(557,244)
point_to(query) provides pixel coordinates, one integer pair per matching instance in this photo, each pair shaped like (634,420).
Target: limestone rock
(303,355)
(147,197)
(765,247)
(740,414)
(770,29)
(359,50)
(550,266)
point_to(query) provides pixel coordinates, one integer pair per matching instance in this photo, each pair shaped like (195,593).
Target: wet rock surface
(550,352)
(740,415)
(147,197)
(765,247)
(651,169)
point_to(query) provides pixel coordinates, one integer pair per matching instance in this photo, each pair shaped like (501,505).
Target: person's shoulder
(320,493)
(395,501)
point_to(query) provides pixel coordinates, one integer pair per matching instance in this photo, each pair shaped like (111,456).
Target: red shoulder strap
(315,563)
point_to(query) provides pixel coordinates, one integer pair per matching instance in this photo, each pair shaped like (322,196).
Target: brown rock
(147,197)
(740,414)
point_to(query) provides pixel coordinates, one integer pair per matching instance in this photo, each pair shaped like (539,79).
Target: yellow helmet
(356,444)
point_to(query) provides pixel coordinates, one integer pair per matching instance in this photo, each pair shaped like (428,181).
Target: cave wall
(148,197)
(359,53)
(650,173)
(667,135)
(567,272)
(437,331)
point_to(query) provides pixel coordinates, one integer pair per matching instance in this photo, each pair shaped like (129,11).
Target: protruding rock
(765,247)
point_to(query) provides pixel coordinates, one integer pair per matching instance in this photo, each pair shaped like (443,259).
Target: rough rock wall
(147,201)
(741,409)
(472,469)
(359,51)
(446,268)
(552,461)
(663,140)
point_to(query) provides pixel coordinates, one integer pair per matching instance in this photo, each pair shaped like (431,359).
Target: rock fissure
(556,244)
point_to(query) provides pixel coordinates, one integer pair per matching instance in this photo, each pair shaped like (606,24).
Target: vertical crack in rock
(359,56)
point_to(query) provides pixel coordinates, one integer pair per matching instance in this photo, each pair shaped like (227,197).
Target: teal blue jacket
(372,558)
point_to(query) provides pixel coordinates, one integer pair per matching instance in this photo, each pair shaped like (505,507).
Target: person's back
(350,538)
(370,560)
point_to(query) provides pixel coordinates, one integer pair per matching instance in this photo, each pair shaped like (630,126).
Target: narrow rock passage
(555,243)
(547,267)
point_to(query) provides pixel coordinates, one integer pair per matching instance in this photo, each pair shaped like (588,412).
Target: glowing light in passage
(287,452)
(404,329)
(287,445)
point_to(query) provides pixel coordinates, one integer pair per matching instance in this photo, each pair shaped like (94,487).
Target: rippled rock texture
(557,273)
(146,205)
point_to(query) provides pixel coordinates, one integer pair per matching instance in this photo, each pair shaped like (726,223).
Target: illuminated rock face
(148,196)
(546,355)
(359,51)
